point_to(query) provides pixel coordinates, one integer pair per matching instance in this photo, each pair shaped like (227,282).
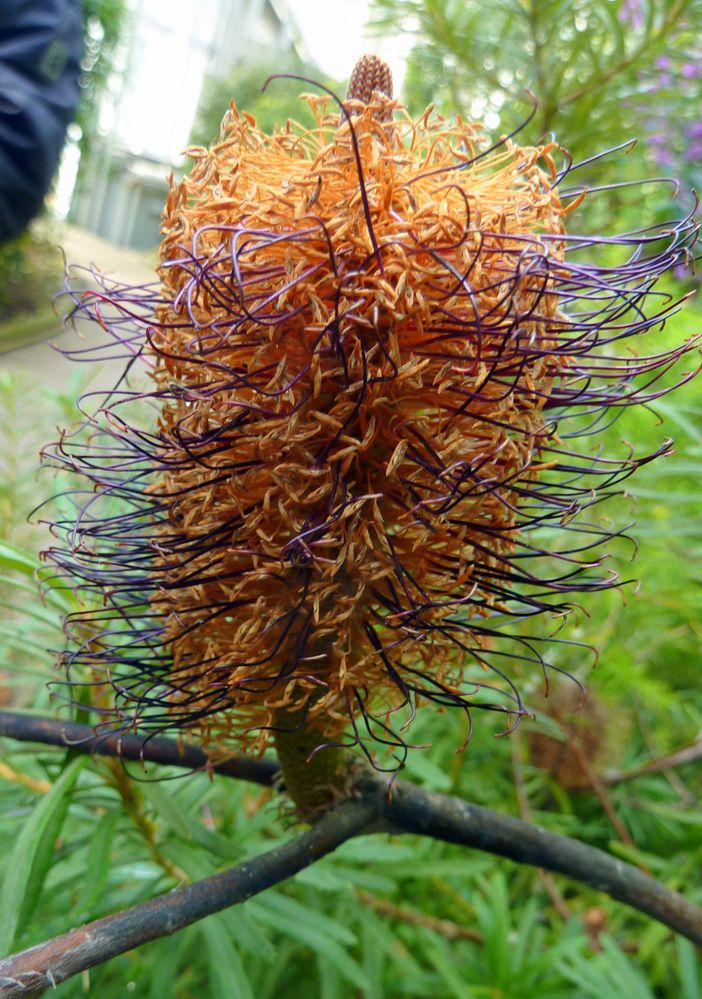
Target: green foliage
(584,62)
(271,108)
(28,626)
(578,59)
(30,860)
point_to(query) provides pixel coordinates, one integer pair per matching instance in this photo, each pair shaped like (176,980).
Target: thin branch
(152,749)
(598,787)
(133,805)
(406,808)
(17,777)
(48,964)
(412,809)
(446,928)
(686,754)
(156,749)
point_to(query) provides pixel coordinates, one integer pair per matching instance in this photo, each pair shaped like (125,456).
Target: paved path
(46,365)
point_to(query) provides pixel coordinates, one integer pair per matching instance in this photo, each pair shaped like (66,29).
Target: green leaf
(32,854)
(313,930)
(226,969)
(442,960)
(185,826)
(330,876)
(607,973)
(39,614)
(13,557)
(689,969)
(322,879)
(168,810)
(422,768)
(686,816)
(375,851)
(237,919)
(249,936)
(163,973)
(288,908)
(277,974)
(330,981)
(98,862)
(375,941)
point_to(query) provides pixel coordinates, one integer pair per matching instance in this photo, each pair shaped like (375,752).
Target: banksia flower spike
(372,348)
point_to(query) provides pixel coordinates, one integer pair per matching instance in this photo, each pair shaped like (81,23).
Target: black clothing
(41,45)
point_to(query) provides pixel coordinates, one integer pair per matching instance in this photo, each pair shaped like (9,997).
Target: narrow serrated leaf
(289,908)
(32,854)
(185,826)
(447,971)
(312,936)
(228,976)
(689,969)
(98,862)
(14,557)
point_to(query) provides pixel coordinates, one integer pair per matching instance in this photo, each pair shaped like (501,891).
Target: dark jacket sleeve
(40,52)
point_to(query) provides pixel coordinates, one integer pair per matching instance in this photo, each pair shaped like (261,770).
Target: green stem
(316,781)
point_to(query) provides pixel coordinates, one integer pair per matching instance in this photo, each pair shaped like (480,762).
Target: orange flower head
(364,335)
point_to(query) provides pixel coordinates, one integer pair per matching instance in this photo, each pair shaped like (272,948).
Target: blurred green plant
(32,269)
(103,26)
(271,108)
(584,62)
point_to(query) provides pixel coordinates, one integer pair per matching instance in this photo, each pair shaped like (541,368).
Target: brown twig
(601,792)
(412,809)
(17,777)
(686,754)
(133,801)
(444,927)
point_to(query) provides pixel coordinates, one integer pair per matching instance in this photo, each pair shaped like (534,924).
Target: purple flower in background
(669,102)
(664,158)
(631,13)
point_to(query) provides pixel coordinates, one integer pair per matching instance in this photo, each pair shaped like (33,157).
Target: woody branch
(407,810)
